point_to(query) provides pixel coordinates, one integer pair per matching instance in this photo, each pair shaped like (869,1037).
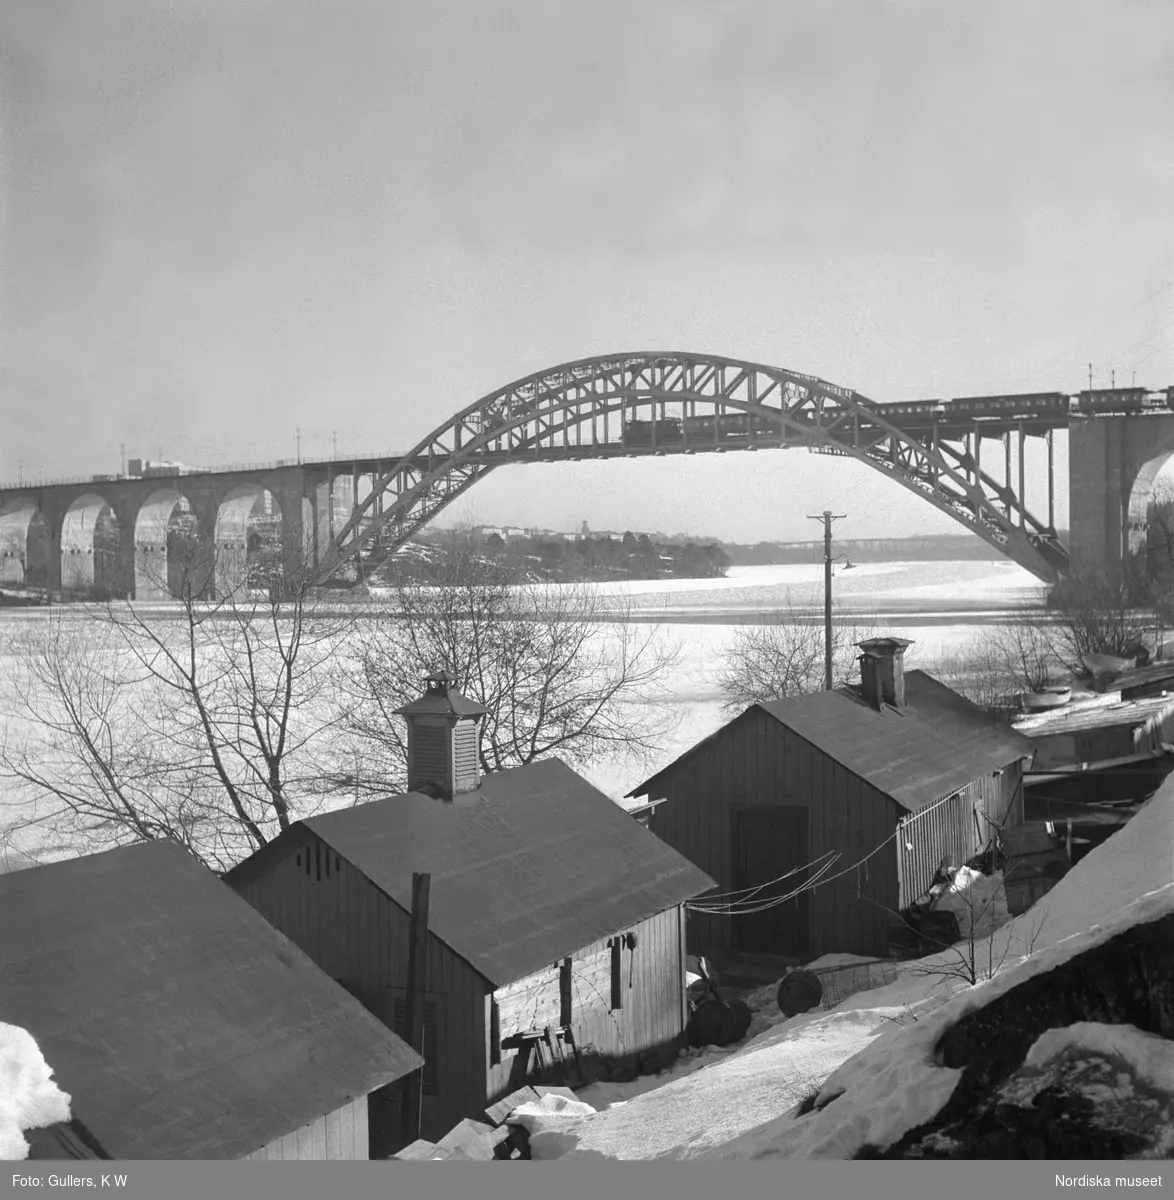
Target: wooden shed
(882,781)
(179,1021)
(552,914)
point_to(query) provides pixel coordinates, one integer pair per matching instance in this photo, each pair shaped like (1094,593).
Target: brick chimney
(444,739)
(882,670)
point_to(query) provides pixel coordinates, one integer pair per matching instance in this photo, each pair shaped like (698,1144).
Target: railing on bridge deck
(390,457)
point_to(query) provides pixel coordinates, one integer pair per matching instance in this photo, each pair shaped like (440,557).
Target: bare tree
(201,721)
(991,670)
(1100,610)
(563,669)
(782,654)
(979,953)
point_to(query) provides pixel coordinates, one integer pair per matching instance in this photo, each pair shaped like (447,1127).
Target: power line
(1157,350)
(1066,354)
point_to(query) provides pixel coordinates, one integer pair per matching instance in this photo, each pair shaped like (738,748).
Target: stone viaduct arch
(121,538)
(631,404)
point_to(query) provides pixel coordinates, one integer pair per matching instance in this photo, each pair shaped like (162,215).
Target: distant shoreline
(905,617)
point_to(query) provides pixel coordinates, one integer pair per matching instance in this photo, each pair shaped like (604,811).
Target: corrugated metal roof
(939,742)
(1104,711)
(539,865)
(182,1024)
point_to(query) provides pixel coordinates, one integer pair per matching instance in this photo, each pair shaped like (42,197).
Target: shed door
(768,842)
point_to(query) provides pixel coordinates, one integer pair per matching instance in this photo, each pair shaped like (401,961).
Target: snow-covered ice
(29,1099)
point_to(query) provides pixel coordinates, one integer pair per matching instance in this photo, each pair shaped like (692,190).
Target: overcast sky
(225,220)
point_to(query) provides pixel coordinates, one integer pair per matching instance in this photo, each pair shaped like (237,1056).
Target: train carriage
(1121,401)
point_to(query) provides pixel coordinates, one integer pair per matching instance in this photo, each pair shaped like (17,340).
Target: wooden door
(767,843)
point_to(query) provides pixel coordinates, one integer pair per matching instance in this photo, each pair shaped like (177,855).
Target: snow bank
(1150,1057)
(838,960)
(551,1123)
(736,1091)
(29,1099)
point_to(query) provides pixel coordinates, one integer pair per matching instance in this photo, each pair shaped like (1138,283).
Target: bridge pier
(290,491)
(1112,465)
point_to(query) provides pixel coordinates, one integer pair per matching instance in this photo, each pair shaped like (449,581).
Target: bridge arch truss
(658,403)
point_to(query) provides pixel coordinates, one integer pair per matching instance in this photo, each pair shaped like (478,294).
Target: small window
(617,973)
(565,1012)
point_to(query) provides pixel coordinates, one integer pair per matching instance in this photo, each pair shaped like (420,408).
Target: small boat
(21,598)
(1105,664)
(1049,697)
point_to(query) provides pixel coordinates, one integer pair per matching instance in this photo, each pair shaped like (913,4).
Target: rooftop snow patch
(29,1099)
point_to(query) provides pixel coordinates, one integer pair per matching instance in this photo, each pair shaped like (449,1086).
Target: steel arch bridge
(657,403)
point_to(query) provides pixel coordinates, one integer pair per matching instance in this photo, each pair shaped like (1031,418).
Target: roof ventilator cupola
(444,739)
(882,670)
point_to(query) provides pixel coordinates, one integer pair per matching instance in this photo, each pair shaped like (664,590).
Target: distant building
(886,779)
(556,922)
(179,1021)
(146,469)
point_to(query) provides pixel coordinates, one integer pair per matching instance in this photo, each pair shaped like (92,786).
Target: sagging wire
(764,906)
(749,892)
(817,880)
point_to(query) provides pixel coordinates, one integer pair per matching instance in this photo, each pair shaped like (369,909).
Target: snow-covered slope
(875,1051)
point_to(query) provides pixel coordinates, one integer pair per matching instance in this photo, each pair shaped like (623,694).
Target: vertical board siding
(756,760)
(335,1135)
(653,1011)
(960,826)
(359,936)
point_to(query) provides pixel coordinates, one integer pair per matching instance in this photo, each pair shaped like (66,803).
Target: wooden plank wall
(960,825)
(755,760)
(653,1007)
(358,936)
(851,912)
(743,764)
(341,1134)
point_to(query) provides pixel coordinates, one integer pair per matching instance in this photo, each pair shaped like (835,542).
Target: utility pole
(334,435)
(122,458)
(1090,377)
(298,434)
(827,518)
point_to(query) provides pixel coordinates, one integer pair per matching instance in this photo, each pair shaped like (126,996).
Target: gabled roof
(939,742)
(181,1023)
(536,866)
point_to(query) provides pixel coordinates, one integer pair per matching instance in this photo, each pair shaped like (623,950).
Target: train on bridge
(1053,408)
(1096,402)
